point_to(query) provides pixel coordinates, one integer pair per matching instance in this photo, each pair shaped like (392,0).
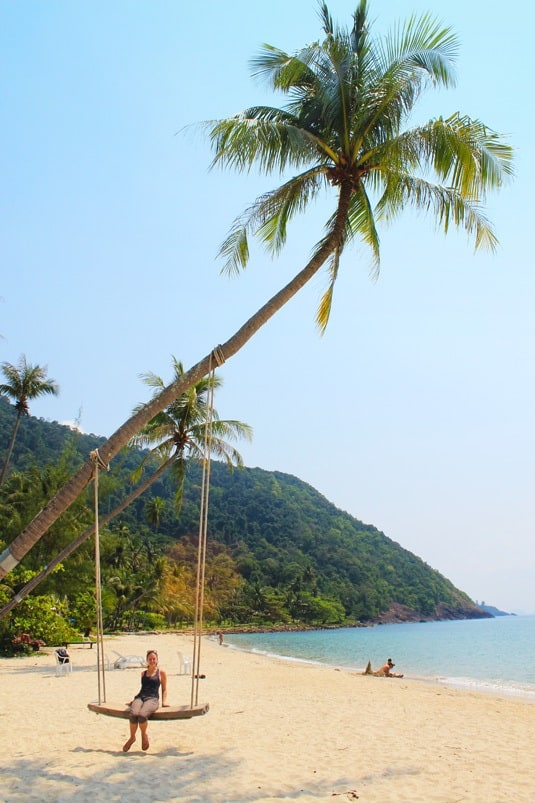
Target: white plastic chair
(184,664)
(128,661)
(63,667)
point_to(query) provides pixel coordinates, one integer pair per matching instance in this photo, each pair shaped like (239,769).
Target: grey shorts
(141,710)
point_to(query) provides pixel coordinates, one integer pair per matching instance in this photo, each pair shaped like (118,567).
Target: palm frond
(231,430)
(396,71)
(282,71)
(324,309)
(268,217)
(466,153)
(229,454)
(326,20)
(278,207)
(152,380)
(270,138)
(447,205)
(422,44)
(235,247)
(361,225)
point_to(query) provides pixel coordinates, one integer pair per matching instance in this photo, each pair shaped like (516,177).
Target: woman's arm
(163,681)
(133,698)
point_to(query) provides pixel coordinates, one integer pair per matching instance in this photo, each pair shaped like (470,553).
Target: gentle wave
(506,688)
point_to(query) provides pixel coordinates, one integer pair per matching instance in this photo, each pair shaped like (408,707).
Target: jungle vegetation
(280,554)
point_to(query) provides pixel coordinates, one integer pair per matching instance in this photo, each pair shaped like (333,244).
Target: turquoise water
(495,655)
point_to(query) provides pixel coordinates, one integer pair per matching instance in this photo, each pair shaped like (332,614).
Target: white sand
(276,730)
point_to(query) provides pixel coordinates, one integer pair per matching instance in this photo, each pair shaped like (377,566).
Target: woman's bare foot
(145,743)
(127,745)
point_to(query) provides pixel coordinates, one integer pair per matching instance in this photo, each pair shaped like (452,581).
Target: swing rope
(216,358)
(98,463)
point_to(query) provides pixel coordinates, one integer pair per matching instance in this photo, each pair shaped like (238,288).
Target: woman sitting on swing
(147,700)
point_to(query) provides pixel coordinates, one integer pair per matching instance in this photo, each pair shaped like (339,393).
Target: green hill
(279,551)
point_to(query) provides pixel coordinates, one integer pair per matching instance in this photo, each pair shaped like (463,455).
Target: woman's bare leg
(144,738)
(128,744)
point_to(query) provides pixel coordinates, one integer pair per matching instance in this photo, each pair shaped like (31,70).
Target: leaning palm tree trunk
(70,548)
(35,530)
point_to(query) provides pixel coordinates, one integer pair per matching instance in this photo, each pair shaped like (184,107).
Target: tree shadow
(168,775)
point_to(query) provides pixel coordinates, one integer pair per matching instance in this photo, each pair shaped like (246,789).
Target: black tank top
(150,686)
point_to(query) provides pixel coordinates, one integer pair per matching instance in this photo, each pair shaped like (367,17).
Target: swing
(170,712)
(194,709)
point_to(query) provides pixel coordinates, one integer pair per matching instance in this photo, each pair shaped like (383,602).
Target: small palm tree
(153,511)
(24,382)
(178,432)
(343,128)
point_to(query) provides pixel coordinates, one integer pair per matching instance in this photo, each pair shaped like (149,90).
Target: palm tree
(177,433)
(349,97)
(24,383)
(154,508)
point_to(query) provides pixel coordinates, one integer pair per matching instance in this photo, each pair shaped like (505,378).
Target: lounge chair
(128,661)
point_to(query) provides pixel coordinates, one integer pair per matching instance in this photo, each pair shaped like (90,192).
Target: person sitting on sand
(384,672)
(147,700)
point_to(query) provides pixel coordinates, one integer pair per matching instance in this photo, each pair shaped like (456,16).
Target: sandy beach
(276,730)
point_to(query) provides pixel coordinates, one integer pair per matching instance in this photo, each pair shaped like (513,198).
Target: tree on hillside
(24,383)
(348,100)
(154,508)
(176,435)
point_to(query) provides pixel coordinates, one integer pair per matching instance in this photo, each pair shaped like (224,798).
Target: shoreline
(477,686)
(486,657)
(277,730)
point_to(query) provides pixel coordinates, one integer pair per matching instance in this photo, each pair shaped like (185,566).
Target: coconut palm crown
(348,99)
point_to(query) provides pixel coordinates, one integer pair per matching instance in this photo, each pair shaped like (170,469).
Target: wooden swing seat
(169,712)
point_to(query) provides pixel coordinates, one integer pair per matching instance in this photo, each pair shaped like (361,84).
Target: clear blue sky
(415,411)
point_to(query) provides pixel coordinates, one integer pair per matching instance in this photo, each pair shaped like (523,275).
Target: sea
(485,655)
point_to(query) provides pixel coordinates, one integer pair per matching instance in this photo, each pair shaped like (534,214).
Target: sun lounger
(128,661)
